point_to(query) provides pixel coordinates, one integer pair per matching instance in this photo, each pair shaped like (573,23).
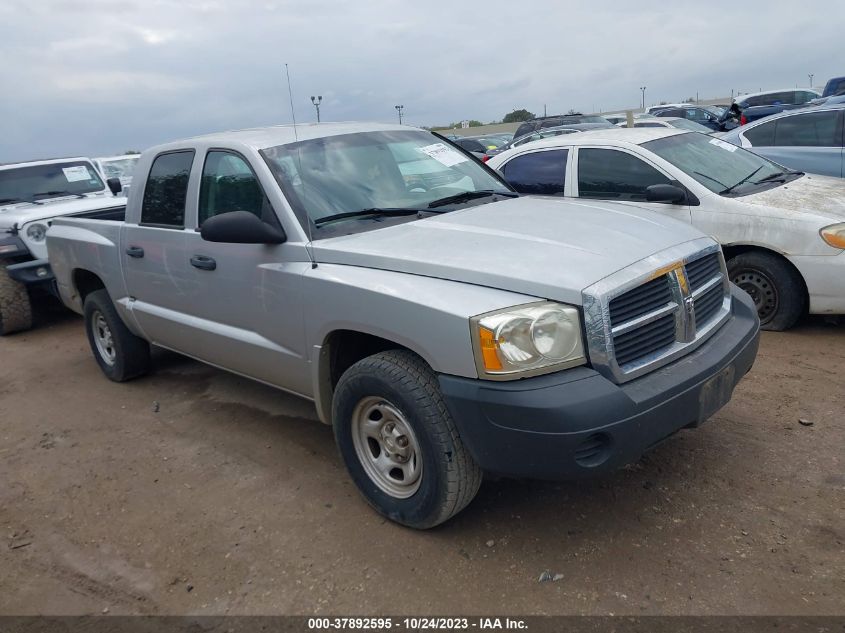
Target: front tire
(776,288)
(15,305)
(399,442)
(119,353)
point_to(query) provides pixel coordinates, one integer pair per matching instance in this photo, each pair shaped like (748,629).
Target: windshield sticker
(724,145)
(443,154)
(75,174)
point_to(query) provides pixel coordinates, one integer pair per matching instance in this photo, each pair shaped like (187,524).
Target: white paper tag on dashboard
(724,144)
(75,174)
(443,154)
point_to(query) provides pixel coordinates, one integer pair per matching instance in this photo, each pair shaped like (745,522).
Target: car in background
(758,105)
(663,106)
(701,115)
(835,86)
(561,120)
(528,138)
(674,122)
(121,167)
(810,139)
(32,195)
(783,231)
(478,144)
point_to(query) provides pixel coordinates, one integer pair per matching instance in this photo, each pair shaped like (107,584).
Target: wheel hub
(762,291)
(103,338)
(386,447)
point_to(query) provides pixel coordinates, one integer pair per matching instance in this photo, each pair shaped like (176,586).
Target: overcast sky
(93,77)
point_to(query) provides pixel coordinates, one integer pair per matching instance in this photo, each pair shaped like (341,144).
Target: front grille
(641,300)
(651,323)
(645,340)
(702,270)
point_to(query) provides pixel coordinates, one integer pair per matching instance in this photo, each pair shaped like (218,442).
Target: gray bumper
(577,423)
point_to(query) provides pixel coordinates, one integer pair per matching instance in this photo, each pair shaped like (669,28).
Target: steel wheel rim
(103,338)
(762,291)
(386,447)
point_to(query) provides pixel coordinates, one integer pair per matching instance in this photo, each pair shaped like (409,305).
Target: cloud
(102,76)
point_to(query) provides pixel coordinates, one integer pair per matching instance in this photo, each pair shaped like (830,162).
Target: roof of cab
(264,137)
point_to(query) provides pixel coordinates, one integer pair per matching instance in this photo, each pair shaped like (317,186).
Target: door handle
(135,251)
(202,262)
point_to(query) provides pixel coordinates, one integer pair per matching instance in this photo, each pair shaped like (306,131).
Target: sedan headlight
(527,340)
(36,232)
(834,235)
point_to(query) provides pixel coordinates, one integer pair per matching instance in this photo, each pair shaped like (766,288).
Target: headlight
(834,235)
(36,232)
(536,338)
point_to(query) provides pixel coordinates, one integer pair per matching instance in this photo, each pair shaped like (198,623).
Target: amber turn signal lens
(488,350)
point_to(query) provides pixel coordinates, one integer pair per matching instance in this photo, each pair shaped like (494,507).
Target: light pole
(642,89)
(399,109)
(811,75)
(317,101)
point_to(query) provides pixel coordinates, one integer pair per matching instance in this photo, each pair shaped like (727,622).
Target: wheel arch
(85,282)
(339,350)
(732,250)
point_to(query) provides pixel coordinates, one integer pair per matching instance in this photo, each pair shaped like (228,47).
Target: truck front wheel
(119,353)
(15,306)
(399,442)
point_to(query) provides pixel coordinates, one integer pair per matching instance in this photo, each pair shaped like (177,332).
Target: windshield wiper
(58,193)
(718,182)
(375,211)
(779,175)
(465,196)
(741,182)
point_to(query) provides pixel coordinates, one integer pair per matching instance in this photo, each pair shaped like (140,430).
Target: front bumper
(577,423)
(34,272)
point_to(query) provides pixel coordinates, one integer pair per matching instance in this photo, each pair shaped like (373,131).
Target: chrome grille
(637,322)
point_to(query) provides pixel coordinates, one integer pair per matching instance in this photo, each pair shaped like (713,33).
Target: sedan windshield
(54,180)
(716,164)
(390,170)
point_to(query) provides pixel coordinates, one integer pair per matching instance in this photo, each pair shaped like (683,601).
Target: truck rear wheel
(15,306)
(399,442)
(776,288)
(119,353)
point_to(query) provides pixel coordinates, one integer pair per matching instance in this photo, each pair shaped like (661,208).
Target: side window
(539,173)
(229,184)
(610,174)
(816,129)
(166,190)
(803,97)
(762,135)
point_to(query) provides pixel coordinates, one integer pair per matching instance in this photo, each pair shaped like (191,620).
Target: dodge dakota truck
(443,325)
(32,195)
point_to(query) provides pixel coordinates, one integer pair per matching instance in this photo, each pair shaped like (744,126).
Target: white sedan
(783,232)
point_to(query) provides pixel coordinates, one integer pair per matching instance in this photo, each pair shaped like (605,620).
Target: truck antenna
(309,246)
(290,96)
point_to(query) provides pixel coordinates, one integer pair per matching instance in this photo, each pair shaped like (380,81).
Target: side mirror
(665,193)
(240,227)
(114,185)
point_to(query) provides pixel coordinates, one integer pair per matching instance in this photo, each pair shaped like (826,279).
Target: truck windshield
(718,165)
(54,180)
(374,170)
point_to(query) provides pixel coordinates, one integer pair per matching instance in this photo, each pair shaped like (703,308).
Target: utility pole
(811,75)
(642,88)
(399,109)
(317,101)
(544,110)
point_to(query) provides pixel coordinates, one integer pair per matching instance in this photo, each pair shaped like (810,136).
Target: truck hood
(546,247)
(810,195)
(20,213)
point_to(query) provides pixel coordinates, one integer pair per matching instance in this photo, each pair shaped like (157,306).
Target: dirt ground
(195,491)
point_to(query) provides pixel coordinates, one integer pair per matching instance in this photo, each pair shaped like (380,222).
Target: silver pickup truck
(444,326)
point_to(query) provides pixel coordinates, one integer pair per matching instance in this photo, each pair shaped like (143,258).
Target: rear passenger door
(618,175)
(154,251)
(541,173)
(809,141)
